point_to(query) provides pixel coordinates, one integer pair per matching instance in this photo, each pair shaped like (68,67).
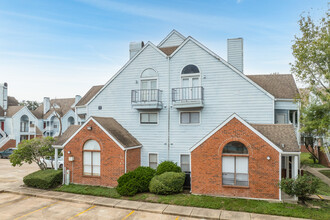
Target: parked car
(7,153)
(50,162)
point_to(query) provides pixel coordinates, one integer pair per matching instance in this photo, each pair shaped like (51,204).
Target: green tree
(31,105)
(311,50)
(34,150)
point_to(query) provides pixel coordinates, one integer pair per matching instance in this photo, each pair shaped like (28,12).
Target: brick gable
(206,164)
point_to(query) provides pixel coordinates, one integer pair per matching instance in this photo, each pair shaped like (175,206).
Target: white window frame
(191,124)
(235,156)
(148,123)
(189,161)
(156,156)
(83,162)
(191,75)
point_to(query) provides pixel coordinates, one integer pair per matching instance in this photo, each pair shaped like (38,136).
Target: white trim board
(243,122)
(105,131)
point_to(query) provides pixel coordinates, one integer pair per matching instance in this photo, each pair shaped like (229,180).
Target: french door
(190,88)
(149,90)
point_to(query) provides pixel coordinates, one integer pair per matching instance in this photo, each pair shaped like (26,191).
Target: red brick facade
(206,164)
(10,144)
(112,157)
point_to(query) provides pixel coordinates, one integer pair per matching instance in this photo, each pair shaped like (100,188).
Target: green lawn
(306,160)
(246,205)
(324,188)
(325,172)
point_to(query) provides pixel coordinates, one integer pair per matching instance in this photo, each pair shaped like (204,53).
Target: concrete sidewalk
(202,213)
(315,172)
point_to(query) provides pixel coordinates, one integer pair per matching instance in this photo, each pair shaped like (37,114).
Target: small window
(235,147)
(148,118)
(153,161)
(190,69)
(100,107)
(190,118)
(185,163)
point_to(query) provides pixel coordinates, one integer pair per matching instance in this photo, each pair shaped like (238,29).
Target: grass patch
(244,205)
(325,172)
(89,190)
(324,188)
(306,160)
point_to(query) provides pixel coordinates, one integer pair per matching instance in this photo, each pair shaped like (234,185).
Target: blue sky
(61,48)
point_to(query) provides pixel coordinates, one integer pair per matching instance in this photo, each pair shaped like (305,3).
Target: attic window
(100,107)
(190,69)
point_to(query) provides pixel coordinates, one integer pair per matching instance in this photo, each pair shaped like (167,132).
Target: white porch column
(295,167)
(56,158)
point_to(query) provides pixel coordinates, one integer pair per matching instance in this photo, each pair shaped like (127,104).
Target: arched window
(92,158)
(24,123)
(190,69)
(70,121)
(235,164)
(148,85)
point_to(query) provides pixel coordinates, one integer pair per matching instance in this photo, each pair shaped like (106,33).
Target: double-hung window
(185,162)
(189,117)
(148,118)
(235,164)
(153,161)
(92,158)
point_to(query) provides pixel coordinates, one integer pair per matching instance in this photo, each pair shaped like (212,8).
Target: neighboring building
(186,104)
(17,123)
(48,111)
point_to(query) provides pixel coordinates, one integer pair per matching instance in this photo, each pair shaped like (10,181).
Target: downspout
(168,110)
(125,160)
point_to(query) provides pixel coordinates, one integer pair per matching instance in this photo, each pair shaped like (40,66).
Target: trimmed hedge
(167,166)
(167,183)
(135,181)
(44,179)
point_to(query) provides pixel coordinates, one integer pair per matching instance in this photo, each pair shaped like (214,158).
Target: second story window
(189,117)
(148,85)
(148,118)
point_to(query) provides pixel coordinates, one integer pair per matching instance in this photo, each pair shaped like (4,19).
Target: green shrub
(167,183)
(167,166)
(44,179)
(302,187)
(135,181)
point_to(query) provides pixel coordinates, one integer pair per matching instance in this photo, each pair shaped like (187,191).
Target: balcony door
(190,88)
(148,85)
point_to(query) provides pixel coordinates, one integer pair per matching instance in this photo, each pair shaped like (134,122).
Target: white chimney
(46,104)
(77,99)
(134,48)
(235,53)
(4,96)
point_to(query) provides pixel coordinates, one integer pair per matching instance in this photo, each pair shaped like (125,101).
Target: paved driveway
(13,176)
(13,206)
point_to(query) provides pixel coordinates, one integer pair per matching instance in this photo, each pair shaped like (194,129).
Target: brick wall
(112,157)
(133,159)
(10,144)
(324,159)
(206,164)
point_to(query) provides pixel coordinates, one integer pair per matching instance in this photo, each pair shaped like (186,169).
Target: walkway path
(315,172)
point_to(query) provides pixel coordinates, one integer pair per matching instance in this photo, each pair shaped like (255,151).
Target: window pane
(228,164)
(228,179)
(153,158)
(185,118)
(242,179)
(185,167)
(153,84)
(242,165)
(96,158)
(91,145)
(194,117)
(153,165)
(153,118)
(185,163)
(235,147)
(87,170)
(149,73)
(87,158)
(144,118)
(190,69)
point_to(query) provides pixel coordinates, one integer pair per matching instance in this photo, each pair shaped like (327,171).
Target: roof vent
(282,145)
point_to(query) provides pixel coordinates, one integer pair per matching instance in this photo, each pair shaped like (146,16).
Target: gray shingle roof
(279,85)
(89,95)
(67,134)
(168,50)
(280,134)
(64,106)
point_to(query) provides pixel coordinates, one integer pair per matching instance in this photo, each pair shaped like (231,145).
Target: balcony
(147,99)
(188,97)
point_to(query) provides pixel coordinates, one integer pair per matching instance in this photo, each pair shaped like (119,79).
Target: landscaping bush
(44,179)
(167,183)
(302,187)
(135,181)
(167,166)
